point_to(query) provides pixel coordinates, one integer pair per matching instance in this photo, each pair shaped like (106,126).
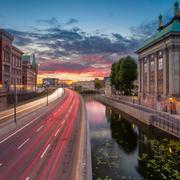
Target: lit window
(160,64)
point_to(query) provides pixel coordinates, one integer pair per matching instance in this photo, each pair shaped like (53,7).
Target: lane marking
(45,150)
(23,143)
(39,128)
(57,132)
(5,139)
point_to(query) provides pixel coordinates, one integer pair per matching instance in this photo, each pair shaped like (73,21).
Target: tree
(98,84)
(123,74)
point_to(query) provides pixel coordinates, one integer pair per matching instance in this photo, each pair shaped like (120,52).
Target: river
(124,148)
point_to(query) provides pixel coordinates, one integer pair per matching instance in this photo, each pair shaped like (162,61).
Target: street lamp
(171,101)
(46,85)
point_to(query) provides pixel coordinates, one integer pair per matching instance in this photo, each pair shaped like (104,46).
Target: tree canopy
(123,74)
(98,84)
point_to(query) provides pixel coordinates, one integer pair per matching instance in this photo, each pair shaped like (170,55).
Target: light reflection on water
(116,143)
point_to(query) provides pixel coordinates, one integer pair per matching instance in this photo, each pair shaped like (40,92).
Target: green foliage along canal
(123,148)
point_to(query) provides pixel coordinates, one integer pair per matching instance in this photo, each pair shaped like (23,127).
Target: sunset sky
(80,39)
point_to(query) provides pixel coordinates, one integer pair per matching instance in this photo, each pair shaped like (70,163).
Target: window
(6,52)
(152,66)
(160,53)
(145,67)
(160,64)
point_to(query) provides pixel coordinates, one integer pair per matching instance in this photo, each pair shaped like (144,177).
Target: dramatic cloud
(147,29)
(72,51)
(72,21)
(52,21)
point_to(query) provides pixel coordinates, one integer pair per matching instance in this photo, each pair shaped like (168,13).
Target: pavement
(42,146)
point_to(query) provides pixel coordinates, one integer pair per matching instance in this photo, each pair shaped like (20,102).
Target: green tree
(123,74)
(98,84)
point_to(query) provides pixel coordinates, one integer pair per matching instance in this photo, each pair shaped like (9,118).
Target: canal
(124,148)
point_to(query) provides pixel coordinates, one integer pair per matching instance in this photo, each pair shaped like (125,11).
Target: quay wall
(159,120)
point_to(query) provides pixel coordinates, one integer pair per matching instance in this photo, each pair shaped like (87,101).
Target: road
(44,147)
(32,105)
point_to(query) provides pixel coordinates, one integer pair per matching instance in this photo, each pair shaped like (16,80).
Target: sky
(80,39)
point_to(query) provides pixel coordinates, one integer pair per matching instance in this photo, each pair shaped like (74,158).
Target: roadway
(44,147)
(29,107)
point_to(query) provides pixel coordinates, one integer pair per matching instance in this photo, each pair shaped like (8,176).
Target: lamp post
(47,94)
(170,100)
(46,85)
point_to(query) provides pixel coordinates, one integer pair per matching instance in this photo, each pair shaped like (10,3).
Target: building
(10,63)
(85,85)
(52,82)
(29,74)
(108,88)
(159,64)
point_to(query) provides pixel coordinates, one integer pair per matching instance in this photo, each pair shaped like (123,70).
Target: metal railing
(161,120)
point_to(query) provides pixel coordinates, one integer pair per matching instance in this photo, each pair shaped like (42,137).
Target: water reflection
(123,132)
(119,145)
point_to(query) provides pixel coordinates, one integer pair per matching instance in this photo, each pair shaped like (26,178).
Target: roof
(174,27)
(26,58)
(7,34)
(17,50)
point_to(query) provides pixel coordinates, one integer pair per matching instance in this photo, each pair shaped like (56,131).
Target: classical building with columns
(159,63)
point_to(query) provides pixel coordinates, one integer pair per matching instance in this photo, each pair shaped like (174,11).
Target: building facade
(10,63)
(85,85)
(159,64)
(52,82)
(29,74)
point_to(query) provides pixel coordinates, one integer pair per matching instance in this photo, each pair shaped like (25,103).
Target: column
(148,75)
(164,73)
(139,77)
(155,73)
(142,76)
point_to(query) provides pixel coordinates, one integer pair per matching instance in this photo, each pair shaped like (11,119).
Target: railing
(160,120)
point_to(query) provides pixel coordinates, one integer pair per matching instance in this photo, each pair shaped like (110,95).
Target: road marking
(27,178)
(45,150)
(5,139)
(57,132)
(39,128)
(1,164)
(23,143)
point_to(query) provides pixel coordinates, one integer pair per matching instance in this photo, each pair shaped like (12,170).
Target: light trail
(31,105)
(56,153)
(41,150)
(30,149)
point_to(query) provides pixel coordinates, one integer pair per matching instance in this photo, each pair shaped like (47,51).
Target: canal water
(124,148)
